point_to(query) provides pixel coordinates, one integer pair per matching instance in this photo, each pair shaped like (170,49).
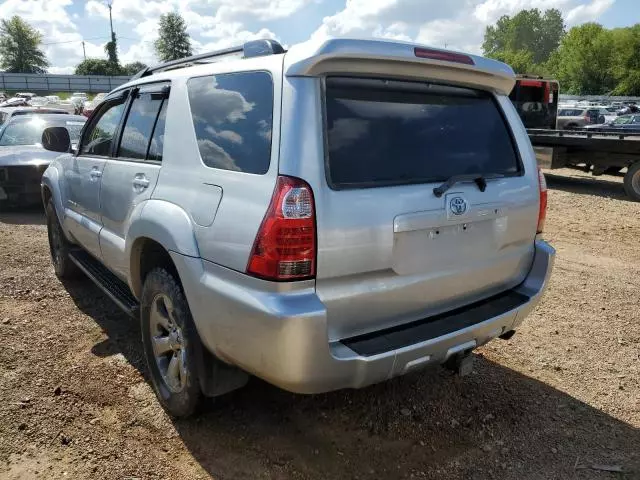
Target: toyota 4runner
(326,217)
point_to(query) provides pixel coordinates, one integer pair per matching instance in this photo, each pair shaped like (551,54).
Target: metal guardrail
(59,83)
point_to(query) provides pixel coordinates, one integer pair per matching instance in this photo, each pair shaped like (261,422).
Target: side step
(115,288)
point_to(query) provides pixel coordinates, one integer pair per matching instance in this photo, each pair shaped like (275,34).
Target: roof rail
(254,48)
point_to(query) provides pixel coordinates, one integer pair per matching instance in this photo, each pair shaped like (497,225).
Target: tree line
(588,59)
(21,49)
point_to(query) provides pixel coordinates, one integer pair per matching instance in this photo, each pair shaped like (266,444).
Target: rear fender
(165,223)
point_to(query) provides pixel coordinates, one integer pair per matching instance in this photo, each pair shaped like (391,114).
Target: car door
(82,209)
(131,175)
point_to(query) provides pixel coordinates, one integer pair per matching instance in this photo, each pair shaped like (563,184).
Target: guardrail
(59,83)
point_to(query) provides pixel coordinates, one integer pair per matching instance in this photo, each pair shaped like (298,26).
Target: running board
(116,289)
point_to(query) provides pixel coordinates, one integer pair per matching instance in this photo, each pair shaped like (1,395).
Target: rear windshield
(383,132)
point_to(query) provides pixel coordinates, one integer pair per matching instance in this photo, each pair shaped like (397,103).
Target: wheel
(59,246)
(632,181)
(170,343)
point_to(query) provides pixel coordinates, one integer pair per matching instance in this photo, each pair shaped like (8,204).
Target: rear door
(130,177)
(390,250)
(84,175)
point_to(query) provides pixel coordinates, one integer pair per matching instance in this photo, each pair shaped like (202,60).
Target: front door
(82,212)
(130,177)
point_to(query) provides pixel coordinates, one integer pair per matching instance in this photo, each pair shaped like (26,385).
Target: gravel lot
(560,400)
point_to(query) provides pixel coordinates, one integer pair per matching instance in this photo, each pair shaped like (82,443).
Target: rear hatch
(392,251)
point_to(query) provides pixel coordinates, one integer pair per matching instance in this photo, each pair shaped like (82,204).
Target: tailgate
(390,251)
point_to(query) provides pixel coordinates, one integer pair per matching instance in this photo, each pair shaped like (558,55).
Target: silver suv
(323,218)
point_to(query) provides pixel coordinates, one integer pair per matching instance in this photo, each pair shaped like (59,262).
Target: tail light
(443,56)
(285,247)
(542,213)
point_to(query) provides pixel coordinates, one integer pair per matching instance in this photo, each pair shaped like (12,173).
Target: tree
(626,60)
(528,31)
(173,41)
(97,66)
(584,61)
(111,48)
(20,47)
(132,68)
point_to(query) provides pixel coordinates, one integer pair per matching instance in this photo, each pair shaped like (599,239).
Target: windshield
(622,120)
(390,133)
(30,132)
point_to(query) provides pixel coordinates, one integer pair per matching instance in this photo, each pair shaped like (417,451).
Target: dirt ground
(560,400)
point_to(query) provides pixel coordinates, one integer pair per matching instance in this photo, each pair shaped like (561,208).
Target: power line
(75,41)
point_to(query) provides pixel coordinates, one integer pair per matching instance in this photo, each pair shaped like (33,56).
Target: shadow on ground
(23,216)
(495,423)
(603,186)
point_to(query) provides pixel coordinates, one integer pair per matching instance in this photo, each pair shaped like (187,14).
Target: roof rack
(254,48)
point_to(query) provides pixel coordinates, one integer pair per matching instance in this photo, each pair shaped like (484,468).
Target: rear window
(382,132)
(233,116)
(570,112)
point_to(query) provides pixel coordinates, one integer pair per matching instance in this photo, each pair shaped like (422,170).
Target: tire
(170,343)
(59,246)
(632,182)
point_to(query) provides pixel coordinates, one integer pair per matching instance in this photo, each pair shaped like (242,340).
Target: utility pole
(84,52)
(113,35)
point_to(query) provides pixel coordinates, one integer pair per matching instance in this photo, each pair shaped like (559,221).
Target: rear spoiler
(398,60)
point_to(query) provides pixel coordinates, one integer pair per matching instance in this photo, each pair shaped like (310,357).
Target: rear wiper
(480,180)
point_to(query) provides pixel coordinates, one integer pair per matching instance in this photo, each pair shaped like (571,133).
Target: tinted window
(636,119)
(384,133)
(139,125)
(568,112)
(232,117)
(99,135)
(157,140)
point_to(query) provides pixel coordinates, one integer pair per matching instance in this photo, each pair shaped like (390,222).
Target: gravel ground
(560,400)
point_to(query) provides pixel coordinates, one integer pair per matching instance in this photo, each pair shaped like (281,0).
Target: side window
(157,139)
(232,117)
(98,137)
(3,117)
(636,119)
(138,127)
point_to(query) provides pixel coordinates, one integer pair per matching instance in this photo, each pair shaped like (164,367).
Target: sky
(213,24)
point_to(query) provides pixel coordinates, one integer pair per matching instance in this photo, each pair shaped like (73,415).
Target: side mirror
(56,139)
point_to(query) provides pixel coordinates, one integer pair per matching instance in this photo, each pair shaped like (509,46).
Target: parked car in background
(38,101)
(25,95)
(90,105)
(53,99)
(7,113)
(278,214)
(627,109)
(578,117)
(22,158)
(626,123)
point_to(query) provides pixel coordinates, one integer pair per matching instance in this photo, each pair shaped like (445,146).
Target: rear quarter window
(381,132)
(233,117)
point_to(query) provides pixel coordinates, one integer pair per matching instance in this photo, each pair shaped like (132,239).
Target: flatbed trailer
(591,150)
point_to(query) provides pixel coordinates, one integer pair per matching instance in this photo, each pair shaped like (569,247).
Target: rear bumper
(280,333)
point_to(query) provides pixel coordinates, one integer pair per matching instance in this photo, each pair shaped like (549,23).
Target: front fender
(51,179)
(165,223)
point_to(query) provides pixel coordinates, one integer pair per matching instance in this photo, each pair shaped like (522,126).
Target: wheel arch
(161,228)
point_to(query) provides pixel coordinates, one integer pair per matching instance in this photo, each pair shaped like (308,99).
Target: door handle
(140,182)
(95,174)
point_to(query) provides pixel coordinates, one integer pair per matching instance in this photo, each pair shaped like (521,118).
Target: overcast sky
(458,24)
